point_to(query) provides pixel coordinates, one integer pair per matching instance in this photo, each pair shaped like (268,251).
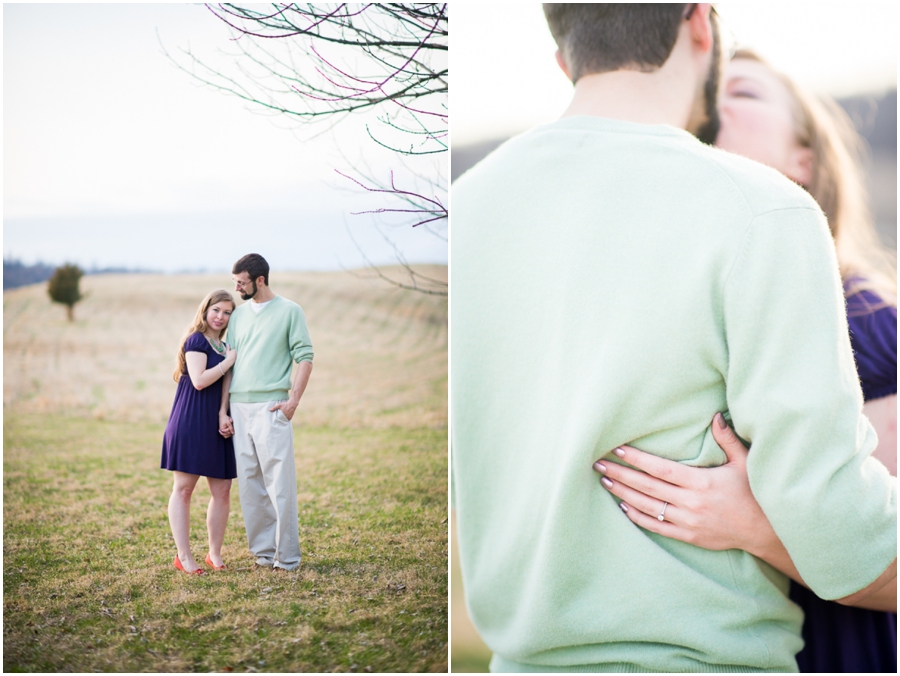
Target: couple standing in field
(251,376)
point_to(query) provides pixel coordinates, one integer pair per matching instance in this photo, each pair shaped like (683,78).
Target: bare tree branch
(315,62)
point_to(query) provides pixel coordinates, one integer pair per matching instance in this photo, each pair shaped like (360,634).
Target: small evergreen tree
(63,287)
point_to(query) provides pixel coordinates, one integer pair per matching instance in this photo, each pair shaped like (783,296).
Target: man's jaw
(709,129)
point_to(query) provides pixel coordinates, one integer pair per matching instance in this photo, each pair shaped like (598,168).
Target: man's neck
(263,295)
(667,95)
(627,96)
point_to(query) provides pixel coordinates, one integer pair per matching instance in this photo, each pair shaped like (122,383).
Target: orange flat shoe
(178,565)
(214,566)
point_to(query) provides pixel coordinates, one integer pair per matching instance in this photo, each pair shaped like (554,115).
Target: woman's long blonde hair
(838,185)
(199,324)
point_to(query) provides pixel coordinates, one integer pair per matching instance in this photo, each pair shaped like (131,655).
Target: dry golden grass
(381,353)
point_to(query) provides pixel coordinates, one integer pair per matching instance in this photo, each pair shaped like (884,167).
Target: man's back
(620,283)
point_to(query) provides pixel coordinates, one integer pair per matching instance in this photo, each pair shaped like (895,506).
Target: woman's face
(217,315)
(757,121)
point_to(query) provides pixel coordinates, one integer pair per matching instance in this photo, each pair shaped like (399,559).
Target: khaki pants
(267,479)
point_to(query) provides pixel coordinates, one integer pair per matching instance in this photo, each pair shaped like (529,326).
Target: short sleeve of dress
(873,335)
(195,343)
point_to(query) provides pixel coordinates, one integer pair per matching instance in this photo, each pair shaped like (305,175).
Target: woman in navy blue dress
(766,117)
(196,442)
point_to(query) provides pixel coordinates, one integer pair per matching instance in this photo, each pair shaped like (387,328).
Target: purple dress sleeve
(195,343)
(873,335)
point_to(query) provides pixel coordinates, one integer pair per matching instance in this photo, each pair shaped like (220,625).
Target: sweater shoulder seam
(748,229)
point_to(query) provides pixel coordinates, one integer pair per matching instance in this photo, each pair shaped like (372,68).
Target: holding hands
(226,425)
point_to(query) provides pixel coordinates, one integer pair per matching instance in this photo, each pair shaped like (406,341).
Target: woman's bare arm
(882,413)
(713,508)
(202,377)
(226,426)
(880,595)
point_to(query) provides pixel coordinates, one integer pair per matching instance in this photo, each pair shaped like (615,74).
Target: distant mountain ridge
(875,119)
(16,273)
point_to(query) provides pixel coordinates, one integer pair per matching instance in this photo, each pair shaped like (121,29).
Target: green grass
(88,578)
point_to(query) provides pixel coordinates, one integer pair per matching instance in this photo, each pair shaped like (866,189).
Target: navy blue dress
(840,639)
(192,442)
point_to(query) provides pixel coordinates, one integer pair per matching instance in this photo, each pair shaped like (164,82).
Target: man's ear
(800,167)
(561,62)
(701,27)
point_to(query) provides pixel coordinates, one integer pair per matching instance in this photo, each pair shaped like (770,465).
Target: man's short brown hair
(598,38)
(254,265)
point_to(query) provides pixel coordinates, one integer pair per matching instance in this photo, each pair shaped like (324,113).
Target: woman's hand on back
(712,508)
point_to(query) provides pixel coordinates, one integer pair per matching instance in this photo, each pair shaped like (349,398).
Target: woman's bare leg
(180,517)
(217,516)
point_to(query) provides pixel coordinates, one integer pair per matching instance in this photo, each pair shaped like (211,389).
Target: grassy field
(88,577)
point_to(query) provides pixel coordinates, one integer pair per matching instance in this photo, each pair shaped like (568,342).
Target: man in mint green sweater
(270,335)
(616,281)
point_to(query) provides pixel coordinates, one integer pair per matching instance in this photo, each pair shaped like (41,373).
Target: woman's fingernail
(623,507)
(619,452)
(606,482)
(600,467)
(720,421)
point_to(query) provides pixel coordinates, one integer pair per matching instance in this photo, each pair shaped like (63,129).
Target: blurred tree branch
(325,61)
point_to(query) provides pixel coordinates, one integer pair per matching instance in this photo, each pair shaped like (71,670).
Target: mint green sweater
(620,283)
(267,343)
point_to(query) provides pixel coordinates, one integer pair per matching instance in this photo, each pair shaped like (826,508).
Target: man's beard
(248,296)
(709,130)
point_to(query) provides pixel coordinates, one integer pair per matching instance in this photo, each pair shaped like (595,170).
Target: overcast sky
(505,77)
(112,156)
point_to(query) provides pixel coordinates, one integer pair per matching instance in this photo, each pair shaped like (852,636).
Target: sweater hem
(259,397)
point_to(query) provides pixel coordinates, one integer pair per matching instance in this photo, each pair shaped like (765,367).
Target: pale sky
(101,131)
(505,77)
